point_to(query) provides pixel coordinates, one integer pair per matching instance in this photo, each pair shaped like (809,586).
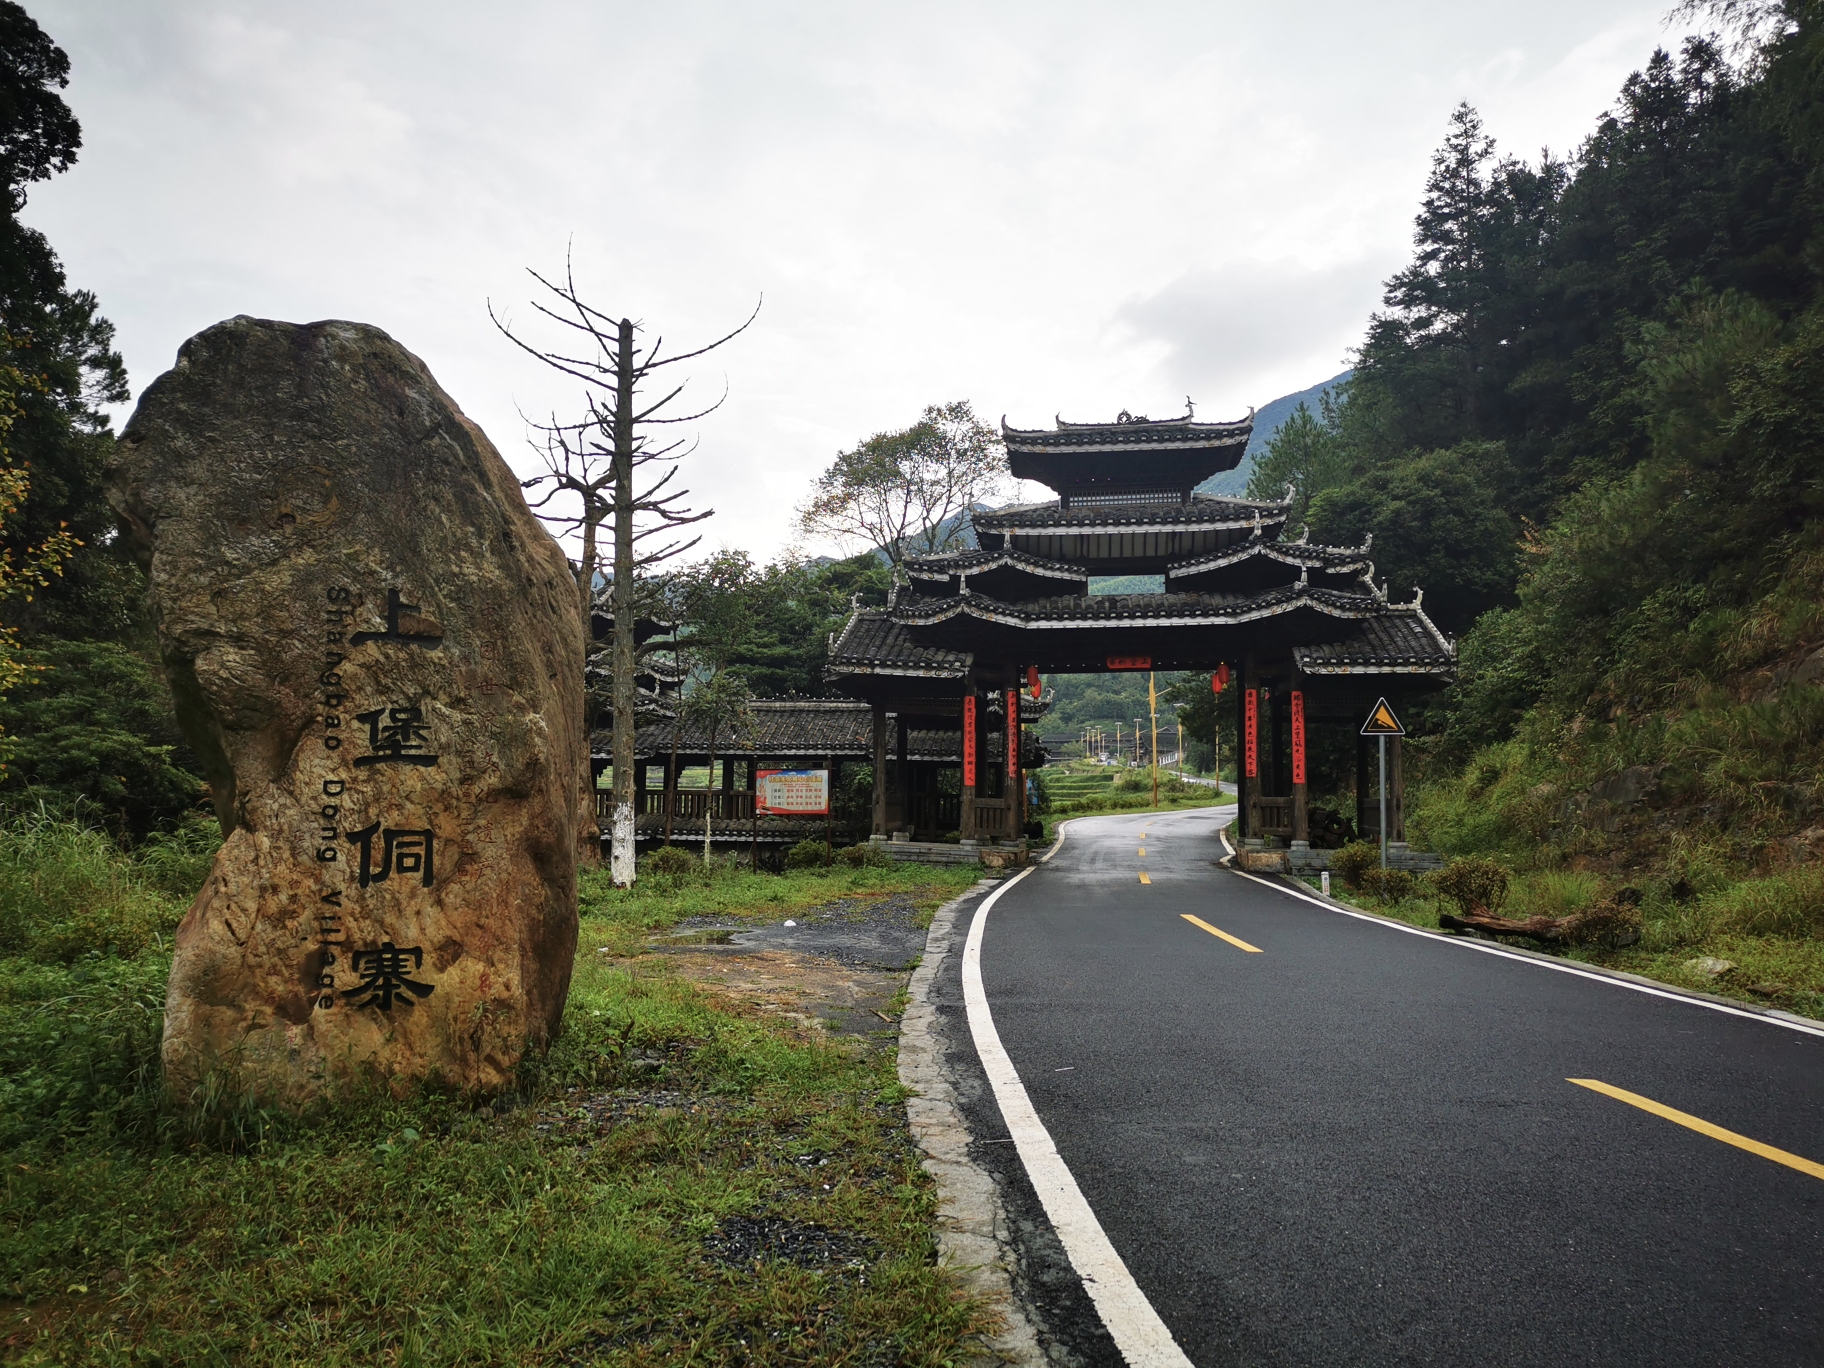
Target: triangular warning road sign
(1382,722)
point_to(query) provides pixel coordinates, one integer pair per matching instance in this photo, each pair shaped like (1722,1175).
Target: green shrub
(1613,923)
(1353,861)
(1474,883)
(867,855)
(808,855)
(1389,885)
(670,862)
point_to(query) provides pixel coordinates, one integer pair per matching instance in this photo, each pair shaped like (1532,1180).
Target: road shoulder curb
(973,1239)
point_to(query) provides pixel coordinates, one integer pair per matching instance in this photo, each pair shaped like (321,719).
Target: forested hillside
(1590,423)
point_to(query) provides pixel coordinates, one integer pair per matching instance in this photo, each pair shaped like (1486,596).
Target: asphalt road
(1358,1146)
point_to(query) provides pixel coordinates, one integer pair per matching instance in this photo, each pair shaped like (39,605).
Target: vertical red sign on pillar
(1250,744)
(1298,737)
(1013,733)
(969,741)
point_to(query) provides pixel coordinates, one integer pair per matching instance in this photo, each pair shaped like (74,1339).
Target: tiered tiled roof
(1137,610)
(1404,641)
(873,643)
(1134,458)
(1202,511)
(1223,562)
(783,728)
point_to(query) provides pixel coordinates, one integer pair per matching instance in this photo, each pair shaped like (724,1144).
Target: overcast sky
(1041,208)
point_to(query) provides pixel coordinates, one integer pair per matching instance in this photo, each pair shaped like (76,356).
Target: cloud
(1248,326)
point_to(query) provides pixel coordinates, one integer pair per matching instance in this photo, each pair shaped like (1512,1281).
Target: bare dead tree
(595,467)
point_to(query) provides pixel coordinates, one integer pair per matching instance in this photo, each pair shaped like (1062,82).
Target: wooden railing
(991,816)
(1271,816)
(937,812)
(688,804)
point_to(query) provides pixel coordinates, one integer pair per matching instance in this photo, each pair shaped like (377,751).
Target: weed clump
(1389,885)
(865,856)
(670,862)
(1789,904)
(68,891)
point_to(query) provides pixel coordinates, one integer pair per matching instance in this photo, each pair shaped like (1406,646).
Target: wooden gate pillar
(903,814)
(1247,749)
(879,825)
(1016,777)
(971,742)
(1301,819)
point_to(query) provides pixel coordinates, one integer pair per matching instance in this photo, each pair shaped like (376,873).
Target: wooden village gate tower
(1305,628)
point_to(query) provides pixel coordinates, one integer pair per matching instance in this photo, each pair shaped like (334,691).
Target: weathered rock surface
(374,648)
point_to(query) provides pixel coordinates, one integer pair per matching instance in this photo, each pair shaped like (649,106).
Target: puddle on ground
(840,968)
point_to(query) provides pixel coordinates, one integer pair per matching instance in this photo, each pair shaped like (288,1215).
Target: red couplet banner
(969,742)
(1013,733)
(1298,737)
(1250,743)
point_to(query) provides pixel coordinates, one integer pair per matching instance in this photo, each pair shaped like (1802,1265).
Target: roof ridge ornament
(1304,534)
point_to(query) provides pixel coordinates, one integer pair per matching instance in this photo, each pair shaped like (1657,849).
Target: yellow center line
(1143,878)
(1143,850)
(1701,1126)
(1232,940)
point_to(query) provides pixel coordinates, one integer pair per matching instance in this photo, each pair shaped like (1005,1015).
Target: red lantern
(1220,680)
(1032,679)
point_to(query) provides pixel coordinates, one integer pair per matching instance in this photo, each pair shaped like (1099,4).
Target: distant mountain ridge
(1267,418)
(1232,483)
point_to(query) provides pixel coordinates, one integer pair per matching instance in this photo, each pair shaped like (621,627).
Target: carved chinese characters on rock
(387,734)
(375,650)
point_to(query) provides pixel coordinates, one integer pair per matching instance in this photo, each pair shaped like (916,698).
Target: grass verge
(681,1179)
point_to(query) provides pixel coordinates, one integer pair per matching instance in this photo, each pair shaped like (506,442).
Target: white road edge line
(1485,948)
(1129,1317)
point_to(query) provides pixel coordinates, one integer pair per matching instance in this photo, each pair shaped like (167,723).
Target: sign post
(1382,724)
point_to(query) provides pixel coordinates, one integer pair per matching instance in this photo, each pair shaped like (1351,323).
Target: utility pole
(1152,708)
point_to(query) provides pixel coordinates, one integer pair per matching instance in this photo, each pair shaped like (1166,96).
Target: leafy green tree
(909,492)
(1436,525)
(91,724)
(1305,455)
(91,720)
(717,597)
(58,338)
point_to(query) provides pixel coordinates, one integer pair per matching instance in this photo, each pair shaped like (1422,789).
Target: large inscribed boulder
(375,650)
